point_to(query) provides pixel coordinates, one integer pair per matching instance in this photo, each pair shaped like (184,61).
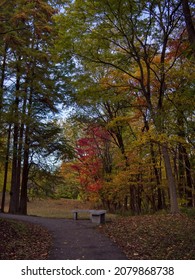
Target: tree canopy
(125,69)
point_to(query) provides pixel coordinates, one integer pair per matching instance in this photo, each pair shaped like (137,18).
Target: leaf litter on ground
(23,241)
(140,237)
(154,236)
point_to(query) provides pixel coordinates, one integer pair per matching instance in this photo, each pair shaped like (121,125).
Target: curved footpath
(75,240)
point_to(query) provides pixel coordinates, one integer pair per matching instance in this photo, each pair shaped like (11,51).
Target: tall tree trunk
(157,176)
(188,178)
(184,166)
(23,194)
(160,204)
(181,173)
(185,174)
(15,186)
(22,149)
(6,169)
(135,199)
(2,80)
(189,23)
(171,180)
(132,199)
(3,68)
(24,186)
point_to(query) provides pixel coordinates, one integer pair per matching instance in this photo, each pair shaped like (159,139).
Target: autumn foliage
(89,163)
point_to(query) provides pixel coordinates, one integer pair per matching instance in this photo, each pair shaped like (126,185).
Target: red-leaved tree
(91,158)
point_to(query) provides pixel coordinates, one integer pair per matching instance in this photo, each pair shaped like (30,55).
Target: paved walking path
(75,240)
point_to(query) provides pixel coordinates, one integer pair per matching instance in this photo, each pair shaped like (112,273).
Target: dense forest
(97,103)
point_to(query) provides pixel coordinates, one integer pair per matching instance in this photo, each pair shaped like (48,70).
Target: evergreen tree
(34,91)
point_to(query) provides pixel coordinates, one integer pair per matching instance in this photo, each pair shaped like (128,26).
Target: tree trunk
(23,195)
(15,186)
(157,176)
(188,179)
(24,186)
(184,166)
(135,200)
(15,190)
(3,68)
(189,23)
(171,180)
(180,173)
(6,170)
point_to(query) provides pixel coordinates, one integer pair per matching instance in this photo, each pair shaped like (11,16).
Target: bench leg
(98,219)
(75,216)
(102,218)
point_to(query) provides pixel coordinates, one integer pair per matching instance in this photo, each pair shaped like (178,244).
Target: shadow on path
(75,240)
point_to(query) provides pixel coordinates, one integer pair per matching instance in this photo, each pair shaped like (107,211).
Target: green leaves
(32,89)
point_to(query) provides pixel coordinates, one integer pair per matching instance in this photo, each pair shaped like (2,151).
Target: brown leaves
(23,241)
(154,237)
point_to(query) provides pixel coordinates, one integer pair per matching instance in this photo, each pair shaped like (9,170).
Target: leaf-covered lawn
(23,241)
(154,237)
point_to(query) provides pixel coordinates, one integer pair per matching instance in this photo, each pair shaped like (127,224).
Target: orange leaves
(19,17)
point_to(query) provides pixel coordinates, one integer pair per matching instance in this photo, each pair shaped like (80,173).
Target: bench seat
(96,216)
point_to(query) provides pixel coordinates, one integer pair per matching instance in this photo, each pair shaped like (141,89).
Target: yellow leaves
(156,59)
(143,139)
(159,138)
(118,121)
(68,173)
(121,178)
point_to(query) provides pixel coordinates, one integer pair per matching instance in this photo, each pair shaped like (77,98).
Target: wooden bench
(96,216)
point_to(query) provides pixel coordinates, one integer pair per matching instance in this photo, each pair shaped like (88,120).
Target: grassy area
(57,208)
(60,208)
(54,208)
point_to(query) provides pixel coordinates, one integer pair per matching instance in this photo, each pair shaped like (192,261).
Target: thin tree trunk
(135,200)
(189,23)
(3,68)
(21,146)
(189,183)
(6,169)
(180,173)
(171,180)
(24,186)
(184,166)
(157,176)
(15,187)
(14,193)
(23,195)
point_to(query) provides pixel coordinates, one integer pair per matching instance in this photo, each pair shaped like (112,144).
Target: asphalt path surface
(75,240)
